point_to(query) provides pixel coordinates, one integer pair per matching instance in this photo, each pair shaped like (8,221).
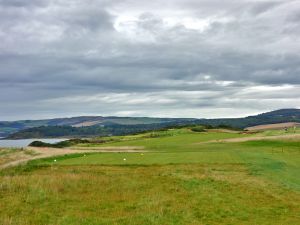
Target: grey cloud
(23,4)
(210,52)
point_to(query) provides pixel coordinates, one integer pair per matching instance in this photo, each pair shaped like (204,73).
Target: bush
(61,144)
(39,144)
(198,129)
(224,126)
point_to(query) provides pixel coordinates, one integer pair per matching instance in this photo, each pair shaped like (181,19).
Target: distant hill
(104,126)
(277,116)
(9,127)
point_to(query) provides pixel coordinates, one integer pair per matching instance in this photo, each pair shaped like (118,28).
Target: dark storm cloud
(186,58)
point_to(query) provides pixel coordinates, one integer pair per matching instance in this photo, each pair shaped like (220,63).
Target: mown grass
(173,140)
(180,180)
(275,160)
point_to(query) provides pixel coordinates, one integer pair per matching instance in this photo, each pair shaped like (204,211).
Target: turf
(276,160)
(174,140)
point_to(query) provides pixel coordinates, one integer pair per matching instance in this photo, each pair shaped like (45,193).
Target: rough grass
(169,194)
(280,132)
(9,154)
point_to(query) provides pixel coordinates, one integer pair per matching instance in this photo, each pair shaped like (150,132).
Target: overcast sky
(171,58)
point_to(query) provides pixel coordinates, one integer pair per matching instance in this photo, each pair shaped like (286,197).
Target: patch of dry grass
(9,155)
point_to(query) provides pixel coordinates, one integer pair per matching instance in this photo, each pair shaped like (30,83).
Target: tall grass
(170,194)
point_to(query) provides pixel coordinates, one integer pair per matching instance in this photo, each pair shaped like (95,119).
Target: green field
(183,177)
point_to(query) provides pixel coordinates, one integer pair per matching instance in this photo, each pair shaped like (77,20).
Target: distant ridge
(280,113)
(114,125)
(276,116)
(10,127)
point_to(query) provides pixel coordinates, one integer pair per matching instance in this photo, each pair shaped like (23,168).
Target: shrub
(198,129)
(61,144)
